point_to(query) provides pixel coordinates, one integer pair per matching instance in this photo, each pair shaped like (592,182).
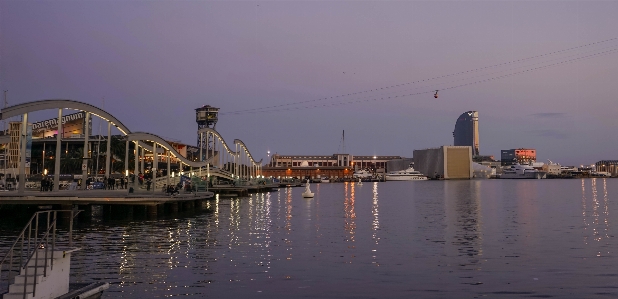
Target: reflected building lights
(349,212)
(234,224)
(584,207)
(375,225)
(288,210)
(216,214)
(288,222)
(606,208)
(595,212)
(596,220)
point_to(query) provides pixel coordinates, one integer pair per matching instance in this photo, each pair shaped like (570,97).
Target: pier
(121,202)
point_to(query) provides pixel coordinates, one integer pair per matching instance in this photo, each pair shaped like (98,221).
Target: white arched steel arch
(220,160)
(254,166)
(141,136)
(39,105)
(25,108)
(60,104)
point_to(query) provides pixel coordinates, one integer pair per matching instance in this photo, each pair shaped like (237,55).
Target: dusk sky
(291,76)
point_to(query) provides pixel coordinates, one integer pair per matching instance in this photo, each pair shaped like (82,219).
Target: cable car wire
(369,99)
(381,89)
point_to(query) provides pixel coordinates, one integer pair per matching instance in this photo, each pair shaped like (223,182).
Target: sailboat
(307,193)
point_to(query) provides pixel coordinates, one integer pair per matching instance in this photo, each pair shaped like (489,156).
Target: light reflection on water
(595,215)
(433,239)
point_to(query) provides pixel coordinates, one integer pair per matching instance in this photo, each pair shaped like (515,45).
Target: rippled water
(432,239)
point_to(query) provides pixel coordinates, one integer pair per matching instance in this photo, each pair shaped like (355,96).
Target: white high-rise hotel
(466,131)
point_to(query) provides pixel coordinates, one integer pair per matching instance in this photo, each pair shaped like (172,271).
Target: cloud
(549,115)
(551,134)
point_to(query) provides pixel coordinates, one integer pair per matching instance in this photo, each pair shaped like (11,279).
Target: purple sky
(151,63)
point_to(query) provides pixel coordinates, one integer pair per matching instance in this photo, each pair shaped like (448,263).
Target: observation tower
(206,117)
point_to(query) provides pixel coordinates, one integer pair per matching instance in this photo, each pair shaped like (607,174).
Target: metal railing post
(54,239)
(71,230)
(21,251)
(31,249)
(46,244)
(36,232)
(10,270)
(29,238)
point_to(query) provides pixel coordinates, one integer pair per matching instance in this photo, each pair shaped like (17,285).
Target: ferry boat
(405,175)
(518,171)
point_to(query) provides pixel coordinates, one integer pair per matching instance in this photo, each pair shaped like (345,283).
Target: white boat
(518,171)
(324,179)
(405,175)
(361,174)
(307,193)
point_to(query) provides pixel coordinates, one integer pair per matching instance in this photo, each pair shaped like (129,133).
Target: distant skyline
(541,74)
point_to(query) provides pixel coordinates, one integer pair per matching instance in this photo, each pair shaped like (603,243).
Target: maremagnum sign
(53,123)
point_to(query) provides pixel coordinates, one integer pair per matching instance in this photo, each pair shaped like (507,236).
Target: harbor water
(424,239)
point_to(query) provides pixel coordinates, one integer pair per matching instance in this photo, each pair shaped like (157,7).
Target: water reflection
(584,209)
(463,213)
(595,214)
(430,238)
(350,214)
(375,224)
(288,210)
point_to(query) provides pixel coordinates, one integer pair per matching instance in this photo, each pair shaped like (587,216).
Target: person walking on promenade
(111,183)
(42,184)
(148,182)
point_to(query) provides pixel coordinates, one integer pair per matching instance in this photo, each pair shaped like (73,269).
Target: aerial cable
(429,79)
(368,99)
(438,85)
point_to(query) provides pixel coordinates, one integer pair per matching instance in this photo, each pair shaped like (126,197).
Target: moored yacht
(518,171)
(362,174)
(405,175)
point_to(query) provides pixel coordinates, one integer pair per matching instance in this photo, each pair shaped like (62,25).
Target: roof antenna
(343,138)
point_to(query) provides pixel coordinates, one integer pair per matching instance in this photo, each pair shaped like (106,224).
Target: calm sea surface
(433,239)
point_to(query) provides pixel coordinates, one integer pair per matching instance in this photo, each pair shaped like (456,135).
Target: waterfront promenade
(151,200)
(81,197)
